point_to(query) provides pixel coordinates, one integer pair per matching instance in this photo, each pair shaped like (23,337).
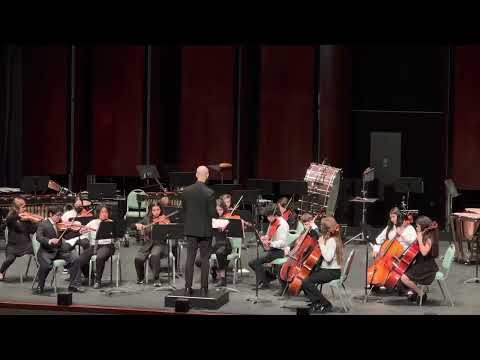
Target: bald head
(202,173)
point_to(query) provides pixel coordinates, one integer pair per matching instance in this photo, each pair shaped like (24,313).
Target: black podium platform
(214,300)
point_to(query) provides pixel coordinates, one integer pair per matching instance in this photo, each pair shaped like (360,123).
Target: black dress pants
(103,254)
(45,259)
(194,243)
(257,264)
(319,276)
(158,251)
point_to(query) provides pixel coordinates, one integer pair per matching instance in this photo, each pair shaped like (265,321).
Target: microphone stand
(256,299)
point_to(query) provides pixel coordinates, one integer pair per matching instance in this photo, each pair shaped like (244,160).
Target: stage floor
(129,294)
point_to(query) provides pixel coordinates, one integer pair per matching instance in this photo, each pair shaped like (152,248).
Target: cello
(400,265)
(301,260)
(379,271)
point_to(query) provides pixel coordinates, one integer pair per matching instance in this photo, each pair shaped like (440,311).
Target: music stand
(150,172)
(249,196)
(452,193)
(34,184)
(168,232)
(256,299)
(409,185)
(292,187)
(181,179)
(101,191)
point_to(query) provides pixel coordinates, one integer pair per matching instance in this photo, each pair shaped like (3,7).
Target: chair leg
(118,271)
(235,269)
(28,265)
(35,278)
(173,269)
(423,292)
(448,294)
(55,279)
(333,292)
(90,265)
(241,268)
(348,296)
(111,270)
(340,295)
(441,289)
(146,271)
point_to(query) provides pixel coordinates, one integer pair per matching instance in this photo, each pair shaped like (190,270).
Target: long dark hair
(399,214)
(99,209)
(424,222)
(150,210)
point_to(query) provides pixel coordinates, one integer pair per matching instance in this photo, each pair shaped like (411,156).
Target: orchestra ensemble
(310,245)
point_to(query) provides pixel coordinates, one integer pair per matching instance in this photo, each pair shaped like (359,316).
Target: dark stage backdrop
(207,107)
(286,112)
(466,125)
(45,114)
(118,83)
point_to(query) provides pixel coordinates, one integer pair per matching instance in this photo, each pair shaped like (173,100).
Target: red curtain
(207,107)
(466,123)
(286,112)
(118,83)
(45,115)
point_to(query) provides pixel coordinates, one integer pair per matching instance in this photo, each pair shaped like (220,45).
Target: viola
(400,265)
(74,226)
(272,230)
(286,214)
(161,220)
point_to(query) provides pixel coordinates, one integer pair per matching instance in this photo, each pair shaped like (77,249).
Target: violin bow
(166,217)
(236,205)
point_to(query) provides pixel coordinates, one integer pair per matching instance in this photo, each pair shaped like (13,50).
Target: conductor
(199,209)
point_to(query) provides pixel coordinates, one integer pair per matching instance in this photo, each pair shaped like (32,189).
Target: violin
(26,216)
(74,226)
(229,215)
(162,219)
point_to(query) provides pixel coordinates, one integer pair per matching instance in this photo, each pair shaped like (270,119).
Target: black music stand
(181,179)
(168,232)
(256,299)
(408,185)
(34,184)
(150,172)
(101,191)
(221,189)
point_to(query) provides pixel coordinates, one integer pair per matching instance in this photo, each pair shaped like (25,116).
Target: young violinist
(287,214)
(227,200)
(331,247)
(79,206)
(105,247)
(396,228)
(52,247)
(274,246)
(424,268)
(20,225)
(157,248)
(221,247)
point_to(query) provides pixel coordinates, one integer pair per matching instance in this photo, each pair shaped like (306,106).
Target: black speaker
(64,299)
(182,305)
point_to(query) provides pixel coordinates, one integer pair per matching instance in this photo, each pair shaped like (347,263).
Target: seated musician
(164,202)
(105,247)
(221,247)
(292,217)
(274,248)
(157,248)
(424,267)
(20,225)
(70,215)
(396,228)
(53,248)
(307,220)
(79,209)
(331,247)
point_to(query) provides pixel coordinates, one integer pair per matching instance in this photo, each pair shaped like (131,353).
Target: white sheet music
(219,223)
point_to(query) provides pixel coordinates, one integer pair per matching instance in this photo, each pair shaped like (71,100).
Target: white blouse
(408,237)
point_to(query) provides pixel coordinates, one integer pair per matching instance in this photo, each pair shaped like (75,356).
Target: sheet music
(219,223)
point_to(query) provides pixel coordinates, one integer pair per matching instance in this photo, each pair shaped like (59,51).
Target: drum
(464,226)
(473,210)
(323,183)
